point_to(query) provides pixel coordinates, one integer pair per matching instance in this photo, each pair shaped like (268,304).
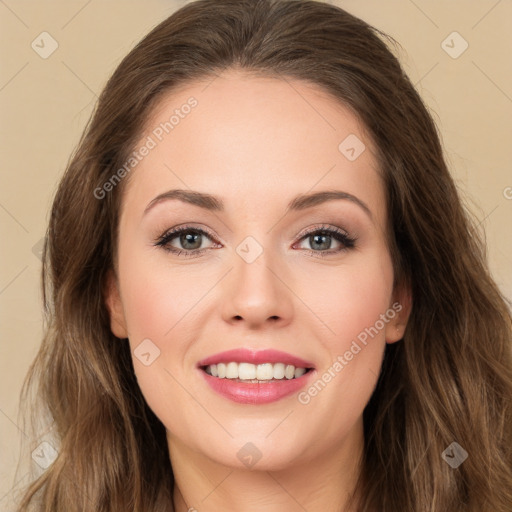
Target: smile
(252,373)
(255,376)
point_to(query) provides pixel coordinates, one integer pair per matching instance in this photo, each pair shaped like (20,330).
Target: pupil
(321,236)
(186,238)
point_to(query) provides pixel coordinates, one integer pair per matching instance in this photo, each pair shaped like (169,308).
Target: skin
(256,143)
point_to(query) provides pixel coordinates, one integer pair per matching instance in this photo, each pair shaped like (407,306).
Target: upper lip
(244,355)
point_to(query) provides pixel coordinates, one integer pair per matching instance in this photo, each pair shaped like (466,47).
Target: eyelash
(336,233)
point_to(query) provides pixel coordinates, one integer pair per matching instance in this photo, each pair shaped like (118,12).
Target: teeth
(253,372)
(279,371)
(232,371)
(299,372)
(246,371)
(264,371)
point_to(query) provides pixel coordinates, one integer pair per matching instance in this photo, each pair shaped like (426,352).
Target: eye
(189,238)
(321,237)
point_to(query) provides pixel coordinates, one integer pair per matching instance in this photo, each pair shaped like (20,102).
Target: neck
(324,483)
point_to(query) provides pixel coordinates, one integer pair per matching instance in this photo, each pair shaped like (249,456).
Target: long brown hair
(449,379)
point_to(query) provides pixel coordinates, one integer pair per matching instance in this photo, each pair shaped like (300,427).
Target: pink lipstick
(265,375)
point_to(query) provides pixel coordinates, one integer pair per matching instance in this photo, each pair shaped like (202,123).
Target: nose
(258,292)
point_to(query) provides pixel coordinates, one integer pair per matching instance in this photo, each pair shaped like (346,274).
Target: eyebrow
(213,203)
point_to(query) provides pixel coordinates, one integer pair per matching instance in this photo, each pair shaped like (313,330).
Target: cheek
(354,307)
(357,305)
(153,306)
(159,307)
(350,299)
(155,299)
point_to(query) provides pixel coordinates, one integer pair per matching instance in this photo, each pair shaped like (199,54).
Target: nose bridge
(257,291)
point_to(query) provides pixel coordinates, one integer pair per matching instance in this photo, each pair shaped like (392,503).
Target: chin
(257,454)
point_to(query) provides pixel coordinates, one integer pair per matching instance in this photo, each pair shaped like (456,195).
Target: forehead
(254,140)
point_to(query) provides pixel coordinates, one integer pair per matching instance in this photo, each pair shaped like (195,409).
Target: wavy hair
(450,377)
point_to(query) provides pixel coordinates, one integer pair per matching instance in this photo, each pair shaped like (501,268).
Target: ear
(115,306)
(398,313)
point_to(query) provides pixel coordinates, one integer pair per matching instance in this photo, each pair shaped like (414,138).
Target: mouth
(255,377)
(249,373)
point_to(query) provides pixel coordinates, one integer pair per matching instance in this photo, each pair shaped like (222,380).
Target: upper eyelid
(178,229)
(173,232)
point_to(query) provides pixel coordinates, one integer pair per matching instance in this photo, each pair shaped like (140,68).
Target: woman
(263,290)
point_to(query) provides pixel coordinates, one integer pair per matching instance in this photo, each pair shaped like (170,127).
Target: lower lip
(256,393)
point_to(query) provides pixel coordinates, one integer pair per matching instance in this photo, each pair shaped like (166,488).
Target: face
(264,270)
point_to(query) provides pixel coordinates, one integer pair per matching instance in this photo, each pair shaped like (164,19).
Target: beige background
(45,104)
